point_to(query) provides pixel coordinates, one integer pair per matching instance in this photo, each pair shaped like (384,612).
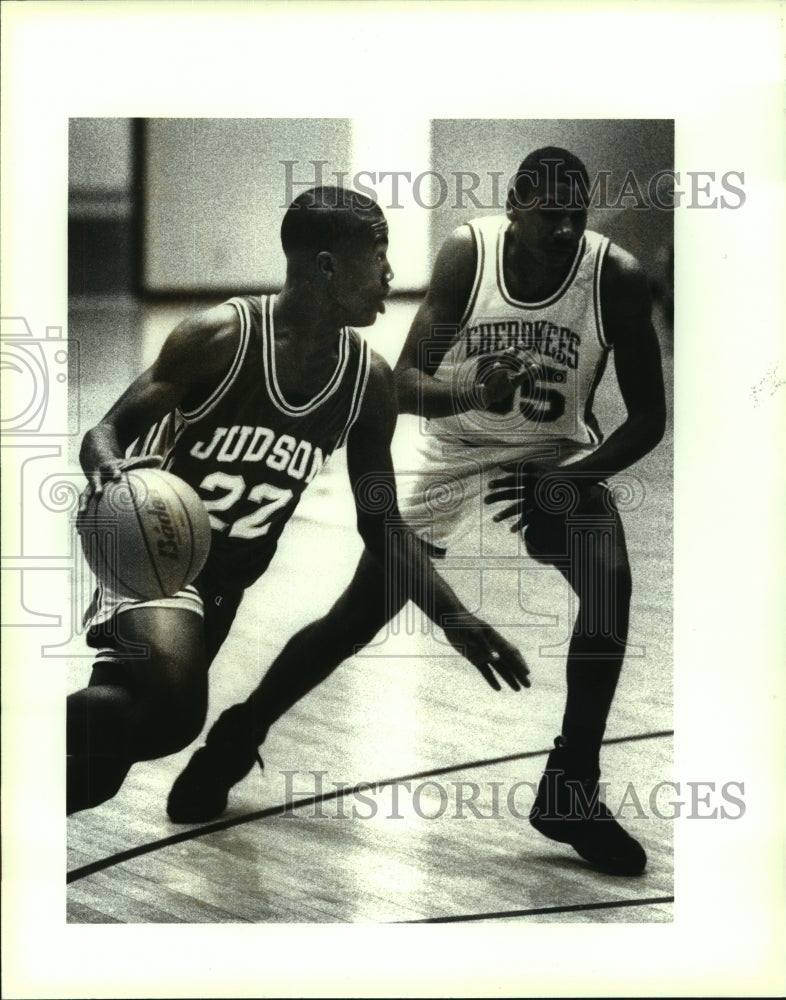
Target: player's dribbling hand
(111,471)
(492,655)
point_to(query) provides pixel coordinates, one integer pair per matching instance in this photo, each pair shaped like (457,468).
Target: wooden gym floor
(396,791)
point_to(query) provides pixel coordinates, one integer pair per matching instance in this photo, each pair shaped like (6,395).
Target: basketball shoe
(201,790)
(568,809)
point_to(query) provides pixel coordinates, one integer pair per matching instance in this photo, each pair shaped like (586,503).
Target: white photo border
(718,71)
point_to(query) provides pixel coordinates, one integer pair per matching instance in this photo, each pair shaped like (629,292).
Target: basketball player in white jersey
(246,401)
(503,358)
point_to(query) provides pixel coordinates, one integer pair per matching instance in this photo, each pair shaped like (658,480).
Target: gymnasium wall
(100,156)
(215,190)
(102,200)
(193,206)
(215,193)
(488,145)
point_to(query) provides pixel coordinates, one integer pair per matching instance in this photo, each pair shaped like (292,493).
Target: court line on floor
(206,828)
(540,911)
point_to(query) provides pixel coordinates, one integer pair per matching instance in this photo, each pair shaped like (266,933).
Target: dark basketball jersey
(250,453)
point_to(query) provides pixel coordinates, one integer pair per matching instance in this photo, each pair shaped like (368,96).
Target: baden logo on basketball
(166,545)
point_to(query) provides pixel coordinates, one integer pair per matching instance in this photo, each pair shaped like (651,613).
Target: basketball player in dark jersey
(503,358)
(245,402)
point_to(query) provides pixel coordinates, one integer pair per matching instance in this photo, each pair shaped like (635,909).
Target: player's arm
(626,309)
(434,328)
(191,363)
(399,552)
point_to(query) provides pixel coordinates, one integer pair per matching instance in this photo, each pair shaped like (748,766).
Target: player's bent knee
(165,736)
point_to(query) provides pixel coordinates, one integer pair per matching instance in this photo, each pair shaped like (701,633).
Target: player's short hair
(325,218)
(549,166)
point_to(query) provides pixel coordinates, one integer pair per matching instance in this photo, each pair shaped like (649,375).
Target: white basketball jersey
(561,352)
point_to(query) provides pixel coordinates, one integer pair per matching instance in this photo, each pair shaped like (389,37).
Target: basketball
(147,535)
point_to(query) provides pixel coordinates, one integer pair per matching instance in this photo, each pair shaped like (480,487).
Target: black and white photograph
(373,576)
(384,770)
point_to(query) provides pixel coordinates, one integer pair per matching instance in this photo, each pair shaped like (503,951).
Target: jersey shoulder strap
(361,352)
(242,307)
(485,233)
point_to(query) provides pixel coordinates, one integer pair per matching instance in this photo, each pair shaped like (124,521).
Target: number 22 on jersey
(231,490)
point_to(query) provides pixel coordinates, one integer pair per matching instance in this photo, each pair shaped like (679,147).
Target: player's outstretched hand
(110,471)
(486,650)
(518,485)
